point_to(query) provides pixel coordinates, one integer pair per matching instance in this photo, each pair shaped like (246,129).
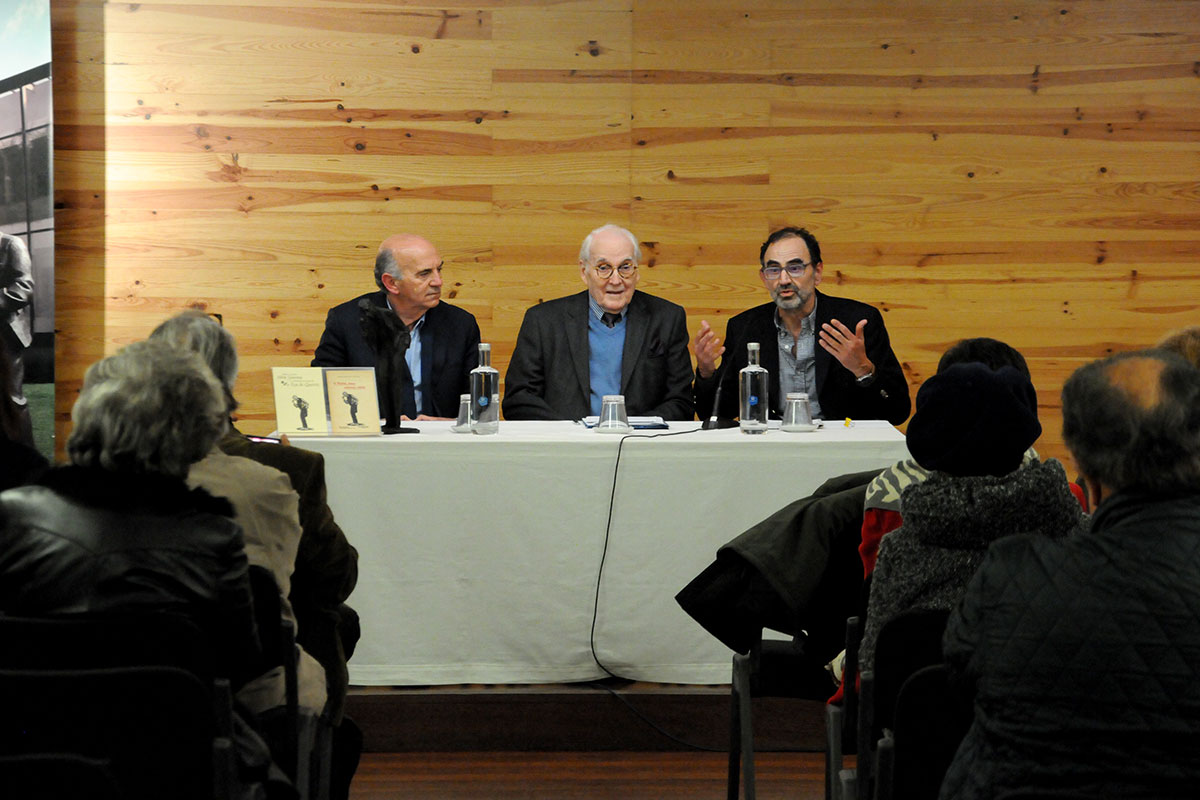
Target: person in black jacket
(835,349)
(325,569)
(118,529)
(431,346)
(610,339)
(1084,653)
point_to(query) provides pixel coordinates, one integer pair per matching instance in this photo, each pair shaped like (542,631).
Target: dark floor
(579,775)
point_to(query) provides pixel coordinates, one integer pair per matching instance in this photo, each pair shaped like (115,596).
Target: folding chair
(929,723)
(128,639)
(772,668)
(906,643)
(841,721)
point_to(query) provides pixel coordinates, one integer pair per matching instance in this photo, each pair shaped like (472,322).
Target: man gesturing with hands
(835,349)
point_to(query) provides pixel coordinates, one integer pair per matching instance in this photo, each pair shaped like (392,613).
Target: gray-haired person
(118,528)
(608,339)
(323,566)
(1084,652)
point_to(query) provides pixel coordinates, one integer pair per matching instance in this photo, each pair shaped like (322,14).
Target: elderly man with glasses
(609,339)
(835,349)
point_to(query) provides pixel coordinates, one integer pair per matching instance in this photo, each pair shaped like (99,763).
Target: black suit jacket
(548,375)
(449,351)
(884,397)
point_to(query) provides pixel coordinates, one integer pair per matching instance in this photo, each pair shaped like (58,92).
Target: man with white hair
(608,339)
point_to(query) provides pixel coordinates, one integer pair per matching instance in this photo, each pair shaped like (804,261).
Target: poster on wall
(27,217)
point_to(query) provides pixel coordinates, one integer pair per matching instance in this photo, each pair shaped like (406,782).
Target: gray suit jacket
(16,287)
(548,375)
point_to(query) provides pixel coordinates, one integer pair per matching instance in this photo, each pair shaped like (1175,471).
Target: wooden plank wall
(1013,168)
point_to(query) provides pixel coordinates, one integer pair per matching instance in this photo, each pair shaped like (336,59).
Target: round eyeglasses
(625,269)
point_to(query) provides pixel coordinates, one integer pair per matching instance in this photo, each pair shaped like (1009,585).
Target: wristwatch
(865,378)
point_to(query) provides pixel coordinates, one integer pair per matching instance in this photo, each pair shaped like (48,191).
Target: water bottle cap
(485,346)
(797,396)
(752,347)
(614,398)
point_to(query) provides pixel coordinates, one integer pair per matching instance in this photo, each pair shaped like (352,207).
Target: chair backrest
(154,725)
(906,643)
(93,641)
(268,615)
(281,726)
(929,725)
(57,776)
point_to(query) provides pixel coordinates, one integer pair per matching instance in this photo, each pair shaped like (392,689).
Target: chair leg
(735,739)
(741,680)
(834,719)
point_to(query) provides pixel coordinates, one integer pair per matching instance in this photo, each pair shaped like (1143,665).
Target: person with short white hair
(609,339)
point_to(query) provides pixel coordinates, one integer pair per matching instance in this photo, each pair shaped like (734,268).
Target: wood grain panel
(1007,167)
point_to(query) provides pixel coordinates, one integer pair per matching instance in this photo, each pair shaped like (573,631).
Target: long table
(543,552)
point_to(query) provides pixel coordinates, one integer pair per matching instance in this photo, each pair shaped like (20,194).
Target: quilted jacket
(1085,658)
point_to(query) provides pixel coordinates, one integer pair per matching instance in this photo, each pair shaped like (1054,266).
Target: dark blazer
(548,375)
(449,350)
(884,397)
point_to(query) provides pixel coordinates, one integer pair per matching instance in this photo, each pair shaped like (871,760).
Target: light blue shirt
(413,358)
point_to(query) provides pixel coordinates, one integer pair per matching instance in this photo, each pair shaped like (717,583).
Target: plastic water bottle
(484,412)
(753,392)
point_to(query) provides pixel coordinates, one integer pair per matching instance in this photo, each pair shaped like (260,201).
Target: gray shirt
(797,360)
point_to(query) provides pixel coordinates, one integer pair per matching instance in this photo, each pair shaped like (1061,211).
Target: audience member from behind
(118,529)
(314,566)
(971,430)
(881,508)
(264,504)
(1185,342)
(1085,652)
(19,463)
(325,564)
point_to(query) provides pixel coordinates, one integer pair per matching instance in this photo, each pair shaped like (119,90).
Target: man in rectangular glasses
(609,339)
(835,349)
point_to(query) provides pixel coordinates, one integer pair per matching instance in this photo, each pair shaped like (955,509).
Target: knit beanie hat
(973,420)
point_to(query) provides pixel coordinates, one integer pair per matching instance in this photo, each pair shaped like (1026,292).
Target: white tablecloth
(480,556)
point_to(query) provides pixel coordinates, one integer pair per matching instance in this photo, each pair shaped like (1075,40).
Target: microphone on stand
(714,421)
(390,339)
